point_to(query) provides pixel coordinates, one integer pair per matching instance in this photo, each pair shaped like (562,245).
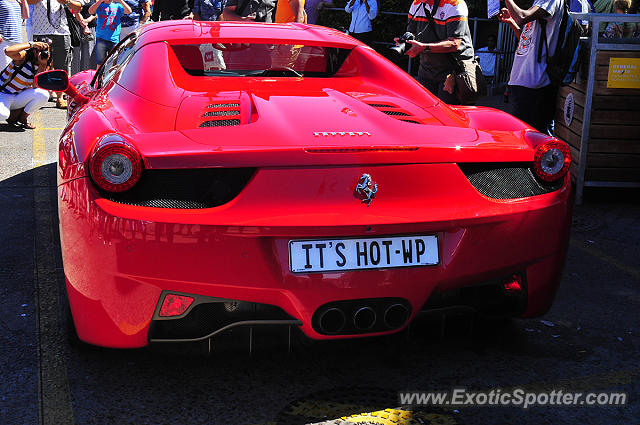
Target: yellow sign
(624,73)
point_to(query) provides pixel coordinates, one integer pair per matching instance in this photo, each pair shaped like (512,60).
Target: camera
(33,54)
(401,47)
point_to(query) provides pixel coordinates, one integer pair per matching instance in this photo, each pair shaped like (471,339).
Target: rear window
(255,59)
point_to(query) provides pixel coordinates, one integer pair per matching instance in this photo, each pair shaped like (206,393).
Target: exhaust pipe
(395,316)
(364,318)
(332,320)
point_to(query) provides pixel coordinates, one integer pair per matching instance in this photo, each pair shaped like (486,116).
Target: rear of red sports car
(226,175)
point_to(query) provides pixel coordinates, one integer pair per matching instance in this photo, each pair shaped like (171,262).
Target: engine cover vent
(219,115)
(219,123)
(228,109)
(230,105)
(395,112)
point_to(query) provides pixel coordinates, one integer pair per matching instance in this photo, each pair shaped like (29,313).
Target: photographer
(18,97)
(441,31)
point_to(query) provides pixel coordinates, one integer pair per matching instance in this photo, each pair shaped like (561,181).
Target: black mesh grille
(220,123)
(185,189)
(396,113)
(412,121)
(221,113)
(508,181)
(209,317)
(381,105)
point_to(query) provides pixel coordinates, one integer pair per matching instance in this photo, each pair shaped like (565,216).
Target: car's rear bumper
(117,267)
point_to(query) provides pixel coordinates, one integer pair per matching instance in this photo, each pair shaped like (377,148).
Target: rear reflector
(513,284)
(357,150)
(175,305)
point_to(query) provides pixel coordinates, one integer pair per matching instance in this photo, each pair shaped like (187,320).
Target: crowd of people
(440,37)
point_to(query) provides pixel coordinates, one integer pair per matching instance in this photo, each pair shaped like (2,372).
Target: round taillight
(551,161)
(115,165)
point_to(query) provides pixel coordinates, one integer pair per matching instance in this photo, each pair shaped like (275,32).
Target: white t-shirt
(526,71)
(212,59)
(40,19)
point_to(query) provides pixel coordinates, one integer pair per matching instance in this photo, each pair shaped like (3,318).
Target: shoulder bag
(75,30)
(470,82)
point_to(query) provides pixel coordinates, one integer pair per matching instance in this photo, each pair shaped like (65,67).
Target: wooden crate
(613,153)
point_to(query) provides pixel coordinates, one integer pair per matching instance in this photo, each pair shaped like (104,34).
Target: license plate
(360,254)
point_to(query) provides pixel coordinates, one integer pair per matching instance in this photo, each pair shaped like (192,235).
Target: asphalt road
(589,341)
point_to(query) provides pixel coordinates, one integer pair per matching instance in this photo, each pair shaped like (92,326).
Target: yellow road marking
(333,410)
(595,252)
(400,417)
(39,146)
(589,383)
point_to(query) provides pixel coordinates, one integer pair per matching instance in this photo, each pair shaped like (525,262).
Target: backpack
(563,64)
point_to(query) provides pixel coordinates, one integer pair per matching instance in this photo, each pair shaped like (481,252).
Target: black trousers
(536,107)
(437,88)
(365,37)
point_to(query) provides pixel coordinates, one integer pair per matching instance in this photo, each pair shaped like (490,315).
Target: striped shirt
(11,20)
(23,79)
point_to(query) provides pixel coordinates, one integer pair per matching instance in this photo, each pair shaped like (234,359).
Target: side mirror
(56,80)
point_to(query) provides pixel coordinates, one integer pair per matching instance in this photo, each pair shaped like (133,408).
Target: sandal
(24,123)
(13,117)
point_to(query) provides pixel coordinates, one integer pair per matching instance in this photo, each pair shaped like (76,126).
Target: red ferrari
(219,175)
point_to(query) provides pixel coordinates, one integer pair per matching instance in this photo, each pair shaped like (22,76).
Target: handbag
(75,29)
(470,82)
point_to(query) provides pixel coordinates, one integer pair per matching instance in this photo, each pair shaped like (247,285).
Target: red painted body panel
(119,258)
